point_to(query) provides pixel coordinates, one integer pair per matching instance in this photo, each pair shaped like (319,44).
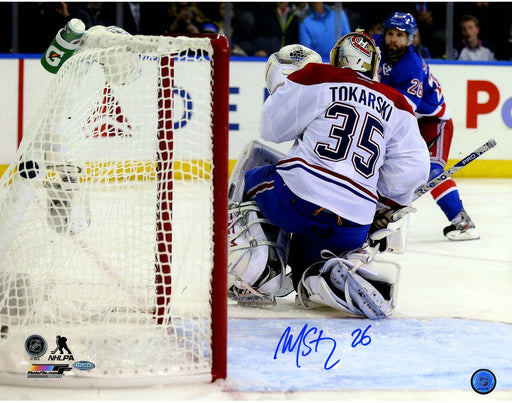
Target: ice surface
(394,354)
(453,317)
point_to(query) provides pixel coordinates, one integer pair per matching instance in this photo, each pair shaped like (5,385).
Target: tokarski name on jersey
(360,95)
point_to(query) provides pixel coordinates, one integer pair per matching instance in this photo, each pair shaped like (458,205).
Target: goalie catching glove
(289,59)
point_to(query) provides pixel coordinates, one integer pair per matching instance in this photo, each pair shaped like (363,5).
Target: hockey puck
(28,169)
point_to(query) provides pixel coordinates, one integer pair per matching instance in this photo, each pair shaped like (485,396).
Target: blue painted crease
(407,354)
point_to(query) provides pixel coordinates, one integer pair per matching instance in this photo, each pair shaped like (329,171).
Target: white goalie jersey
(355,140)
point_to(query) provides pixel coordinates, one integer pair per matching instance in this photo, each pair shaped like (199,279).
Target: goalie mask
(357,51)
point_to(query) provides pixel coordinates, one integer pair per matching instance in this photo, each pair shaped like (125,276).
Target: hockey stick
(458,166)
(443,176)
(377,236)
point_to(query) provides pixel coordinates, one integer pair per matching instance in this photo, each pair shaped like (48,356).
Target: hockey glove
(379,231)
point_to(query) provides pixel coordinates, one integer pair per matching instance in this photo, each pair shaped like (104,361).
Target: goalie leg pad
(359,292)
(314,291)
(382,274)
(257,254)
(352,287)
(254,154)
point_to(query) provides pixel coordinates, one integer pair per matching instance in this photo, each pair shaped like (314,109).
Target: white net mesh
(106,214)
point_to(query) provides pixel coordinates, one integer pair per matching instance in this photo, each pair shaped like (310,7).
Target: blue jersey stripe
(326,179)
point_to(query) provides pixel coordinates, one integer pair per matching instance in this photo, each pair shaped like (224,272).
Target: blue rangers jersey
(355,140)
(413,78)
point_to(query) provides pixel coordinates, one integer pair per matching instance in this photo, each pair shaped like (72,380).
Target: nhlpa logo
(360,44)
(62,345)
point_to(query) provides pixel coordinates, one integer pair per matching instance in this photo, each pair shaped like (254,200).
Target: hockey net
(113,218)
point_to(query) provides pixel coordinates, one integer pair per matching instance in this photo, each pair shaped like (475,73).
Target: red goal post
(220,204)
(220,140)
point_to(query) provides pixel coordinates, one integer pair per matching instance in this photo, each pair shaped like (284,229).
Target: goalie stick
(458,166)
(375,238)
(444,176)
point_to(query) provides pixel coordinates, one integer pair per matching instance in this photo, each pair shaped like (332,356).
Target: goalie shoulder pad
(289,59)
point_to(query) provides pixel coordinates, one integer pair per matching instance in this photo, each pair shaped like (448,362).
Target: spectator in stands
(424,18)
(243,23)
(143,18)
(318,29)
(276,26)
(494,18)
(374,28)
(215,14)
(472,47)
(416,41)
(431,21)
(39,23)
(507,48)
(186,18)
(301,10)
(98,13)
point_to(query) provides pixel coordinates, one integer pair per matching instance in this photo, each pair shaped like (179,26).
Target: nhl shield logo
(35,346)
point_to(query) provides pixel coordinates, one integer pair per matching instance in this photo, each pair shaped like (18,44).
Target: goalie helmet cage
(113,219)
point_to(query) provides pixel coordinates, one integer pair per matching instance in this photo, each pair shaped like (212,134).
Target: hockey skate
(461,228)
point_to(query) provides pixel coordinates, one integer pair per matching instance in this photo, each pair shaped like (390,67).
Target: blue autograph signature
(309,339)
